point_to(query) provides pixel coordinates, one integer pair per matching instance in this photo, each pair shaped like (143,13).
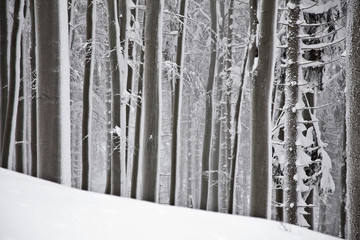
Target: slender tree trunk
(352,120)
(4,66)
(135,167)
(343,186)
(291,114)
(150,116)
(229,84)
(124,18)
(236,138)
(109,134)
(14,85)
(87,93)
(178,86)
(20,133)
(114,43)
(33,91)
(262,81)
(53,90)
(309,100)
(209,109)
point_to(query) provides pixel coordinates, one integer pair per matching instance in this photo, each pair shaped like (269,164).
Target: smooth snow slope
(31,208)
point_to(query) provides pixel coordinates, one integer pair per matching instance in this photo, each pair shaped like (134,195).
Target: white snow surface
(32,208)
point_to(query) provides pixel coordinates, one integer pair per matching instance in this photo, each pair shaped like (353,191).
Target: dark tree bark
(114,43)
(4,65)
(151,118)
(262,80)
(291,115)
(14,85)
(209,109)
(352,120)
(20,134)
(178,86)
(53,89)
(33,90)
(87,93)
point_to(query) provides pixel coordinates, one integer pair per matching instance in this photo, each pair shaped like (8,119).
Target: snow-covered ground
(31,208)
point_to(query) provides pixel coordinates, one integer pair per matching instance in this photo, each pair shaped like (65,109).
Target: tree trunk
(53,90)
(33,79)
(343,186)
(209,109)
(20,133)
(352,120)
(114,44)
(236,138)
(124,18)
(14,86)
(151,118)
(291,114)
(135,167)
(178,86)
(262,81)
(87,92)
(4,66)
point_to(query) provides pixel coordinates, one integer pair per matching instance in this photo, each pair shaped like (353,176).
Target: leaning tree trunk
(87,92)
(352,120)
(209,109)
(291,114)
(178,86)
(4,65)
(151,108)
(14,86)
(114,44)
(53,89)
(262,80)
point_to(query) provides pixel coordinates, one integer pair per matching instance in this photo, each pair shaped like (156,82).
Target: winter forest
(243,107)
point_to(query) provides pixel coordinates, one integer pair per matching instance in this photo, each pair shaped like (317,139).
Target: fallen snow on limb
(36,209)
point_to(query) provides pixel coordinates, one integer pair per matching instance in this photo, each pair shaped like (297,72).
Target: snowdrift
(32,208)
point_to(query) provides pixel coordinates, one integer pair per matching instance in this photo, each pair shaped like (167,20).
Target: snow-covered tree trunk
(13,87)
(151,108)
(53,91)
(352,120)
(88,93)
(262,80)
(4,66)
(114,44)
(209,109)
(178,86)
(291,114)
(124,18)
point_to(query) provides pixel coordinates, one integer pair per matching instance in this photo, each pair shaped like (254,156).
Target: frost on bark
(291,114)
(88,92)
(178,86)
(151,108)
(13,86)
(53,91)
(262,81)
(209,110)
(352,120)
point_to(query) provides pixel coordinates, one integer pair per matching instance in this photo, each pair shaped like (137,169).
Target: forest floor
(32,208)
